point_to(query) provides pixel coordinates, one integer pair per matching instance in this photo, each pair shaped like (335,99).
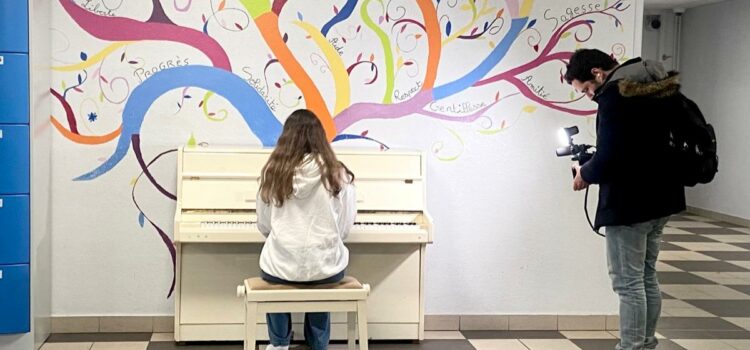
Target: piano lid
(226,178)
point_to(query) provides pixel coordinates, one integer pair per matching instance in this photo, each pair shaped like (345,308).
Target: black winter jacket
(632,165)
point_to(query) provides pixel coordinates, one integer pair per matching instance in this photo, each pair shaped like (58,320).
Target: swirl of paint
(248,102)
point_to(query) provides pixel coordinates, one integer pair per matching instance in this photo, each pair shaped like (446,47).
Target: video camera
(580,152)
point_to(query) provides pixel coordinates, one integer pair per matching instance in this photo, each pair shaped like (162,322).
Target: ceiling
(671,4)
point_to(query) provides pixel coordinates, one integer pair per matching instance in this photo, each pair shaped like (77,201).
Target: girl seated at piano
(306,206)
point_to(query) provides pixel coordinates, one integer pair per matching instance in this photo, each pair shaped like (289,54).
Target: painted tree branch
(126,29)
(432,30)
(361,111)
(343,14)
(143,217)
(385,42)
(468,118)
(277,6)
(526,91)
(545,55)
(464,29)
(338,70)
(268,23)
(72,124)
(158,15)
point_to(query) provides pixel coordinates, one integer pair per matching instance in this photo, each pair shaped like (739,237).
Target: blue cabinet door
(14,159)
(14,87)
(14,229)
(14,26)
(14,299)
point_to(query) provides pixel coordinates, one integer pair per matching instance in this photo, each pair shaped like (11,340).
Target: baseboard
(112,324)
(719,216)
(165,324)
(521,322)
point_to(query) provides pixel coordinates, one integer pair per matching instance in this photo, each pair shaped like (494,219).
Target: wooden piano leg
(351,330)
(251,319)
(362,324)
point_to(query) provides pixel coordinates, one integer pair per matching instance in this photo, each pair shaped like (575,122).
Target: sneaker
(277,347)
(288,347)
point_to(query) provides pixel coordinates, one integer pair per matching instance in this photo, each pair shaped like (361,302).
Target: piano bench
(348,296)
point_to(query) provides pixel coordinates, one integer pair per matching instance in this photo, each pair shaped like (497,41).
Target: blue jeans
(632,251)
(317,324)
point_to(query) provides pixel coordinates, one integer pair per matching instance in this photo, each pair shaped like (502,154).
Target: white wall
(41,169)
(511,236)
(714,64)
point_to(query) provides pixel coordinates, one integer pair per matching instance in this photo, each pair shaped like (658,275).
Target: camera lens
(563,151)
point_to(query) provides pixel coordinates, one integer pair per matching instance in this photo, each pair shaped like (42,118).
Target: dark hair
(303,135)
(584,60)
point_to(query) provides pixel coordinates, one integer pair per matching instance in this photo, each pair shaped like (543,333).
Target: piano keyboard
(228,225)
(384,227)
(363,226)
(224,227)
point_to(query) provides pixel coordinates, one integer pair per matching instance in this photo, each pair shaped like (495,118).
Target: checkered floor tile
(704,271)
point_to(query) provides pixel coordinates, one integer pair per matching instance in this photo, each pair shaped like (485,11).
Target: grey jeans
(632,251)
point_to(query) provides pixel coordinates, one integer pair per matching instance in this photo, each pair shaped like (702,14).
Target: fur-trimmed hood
(638,77)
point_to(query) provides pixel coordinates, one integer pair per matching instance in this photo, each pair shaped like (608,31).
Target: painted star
(93,116)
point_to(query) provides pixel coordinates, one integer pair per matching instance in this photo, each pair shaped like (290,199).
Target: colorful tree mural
(411,39)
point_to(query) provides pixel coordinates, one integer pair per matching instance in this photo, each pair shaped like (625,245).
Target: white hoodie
(304,237)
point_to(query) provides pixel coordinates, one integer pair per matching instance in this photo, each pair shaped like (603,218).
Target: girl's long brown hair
(303,134)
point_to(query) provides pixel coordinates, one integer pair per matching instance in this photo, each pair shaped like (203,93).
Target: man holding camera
(638,187)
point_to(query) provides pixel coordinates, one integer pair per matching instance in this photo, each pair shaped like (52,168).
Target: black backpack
(693,142)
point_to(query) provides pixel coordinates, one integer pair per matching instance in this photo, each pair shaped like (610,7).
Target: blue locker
(14,229)
(14,26)
(14,168)
(14,303)
(14,159)
(14,87)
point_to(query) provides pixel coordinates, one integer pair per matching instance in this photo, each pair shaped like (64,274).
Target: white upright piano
(218,244)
